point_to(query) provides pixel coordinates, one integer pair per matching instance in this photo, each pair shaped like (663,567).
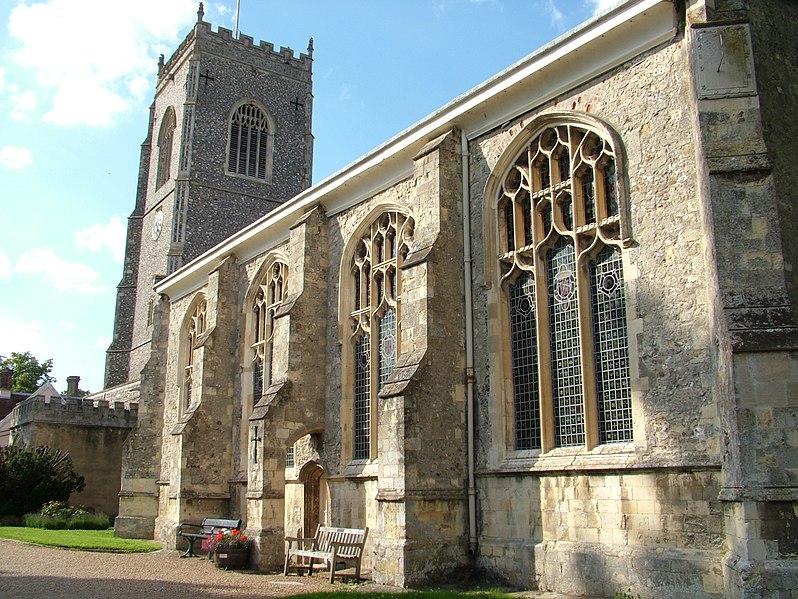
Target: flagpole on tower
(238,8)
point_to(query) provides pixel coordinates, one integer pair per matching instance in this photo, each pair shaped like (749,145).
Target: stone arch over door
(315,497)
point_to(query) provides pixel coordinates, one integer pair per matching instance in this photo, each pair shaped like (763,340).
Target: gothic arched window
(249,144)
(272,290)
(196,325)
(559,223)
(165,142)
(374,317)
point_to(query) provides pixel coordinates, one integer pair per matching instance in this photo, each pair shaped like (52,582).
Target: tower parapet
(243,49)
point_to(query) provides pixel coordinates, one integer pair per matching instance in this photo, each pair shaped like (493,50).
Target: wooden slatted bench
(208,528)
(335,546)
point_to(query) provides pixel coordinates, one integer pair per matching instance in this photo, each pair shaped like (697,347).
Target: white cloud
(67,325)
(94,59)
(21,337)
(2,79)
(554,12)
(602,5)
(15,158)
(221,10)
(103,342)
(110,236)
(23,105)
(5,266)
(62,274)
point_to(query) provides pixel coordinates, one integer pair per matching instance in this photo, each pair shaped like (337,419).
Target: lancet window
(374,319)
(559,231)
(196,326)
(271,293)
(248,151)
(165,143)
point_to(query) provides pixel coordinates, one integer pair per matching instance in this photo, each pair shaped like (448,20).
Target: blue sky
(76,81)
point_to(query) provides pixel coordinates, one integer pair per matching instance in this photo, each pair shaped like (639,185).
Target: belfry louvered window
(374,318)
(559,231)
(196,326)
(248,152)
(272,290)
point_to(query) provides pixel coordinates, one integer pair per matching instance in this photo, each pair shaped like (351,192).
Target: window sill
(361,469)
(563,459)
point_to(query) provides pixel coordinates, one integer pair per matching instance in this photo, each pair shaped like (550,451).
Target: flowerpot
(231,559)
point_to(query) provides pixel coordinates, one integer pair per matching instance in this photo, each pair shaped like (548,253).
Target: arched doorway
(315,497)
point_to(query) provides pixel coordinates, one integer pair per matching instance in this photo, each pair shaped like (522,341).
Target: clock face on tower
(157,225)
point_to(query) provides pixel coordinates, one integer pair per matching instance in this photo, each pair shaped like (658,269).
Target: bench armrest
(300,541)
(343,544)
(190,525)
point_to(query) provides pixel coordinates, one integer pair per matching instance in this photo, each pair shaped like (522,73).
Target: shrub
(81,519)
(31,477)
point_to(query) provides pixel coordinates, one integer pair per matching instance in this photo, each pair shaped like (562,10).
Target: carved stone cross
(255,440)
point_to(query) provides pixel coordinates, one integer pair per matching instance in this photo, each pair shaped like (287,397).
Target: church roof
(597,46)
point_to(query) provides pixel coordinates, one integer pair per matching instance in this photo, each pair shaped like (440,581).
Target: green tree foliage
(29,478)
(29,374)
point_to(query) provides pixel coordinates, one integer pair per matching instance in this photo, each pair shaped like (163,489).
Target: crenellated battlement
(76,411)
(242,48)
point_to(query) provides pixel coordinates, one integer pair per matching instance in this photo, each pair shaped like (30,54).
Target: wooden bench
(335,546)
(208,528)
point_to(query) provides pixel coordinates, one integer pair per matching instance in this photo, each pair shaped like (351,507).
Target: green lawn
(88,540)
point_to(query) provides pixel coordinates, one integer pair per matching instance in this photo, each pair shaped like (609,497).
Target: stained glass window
(558,208)
(271,293)
(523,332)
(611,352)
(374,317)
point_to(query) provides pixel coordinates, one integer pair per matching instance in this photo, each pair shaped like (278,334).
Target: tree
(29,478)
(29,374)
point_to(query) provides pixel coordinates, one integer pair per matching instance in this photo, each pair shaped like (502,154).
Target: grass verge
(87,540)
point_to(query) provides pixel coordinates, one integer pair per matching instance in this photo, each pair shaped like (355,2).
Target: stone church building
(548,332)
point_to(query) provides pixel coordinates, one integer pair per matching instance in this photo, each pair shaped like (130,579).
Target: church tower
(229,139)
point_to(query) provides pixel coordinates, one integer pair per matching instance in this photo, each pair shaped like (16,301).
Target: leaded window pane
(362,424)
(257,380)
(525,363)
(387,350)
(609,188)
(611,352)
(589,195)
(566,361)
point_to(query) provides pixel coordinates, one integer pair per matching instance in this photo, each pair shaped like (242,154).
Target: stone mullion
(545,375)
(589,393)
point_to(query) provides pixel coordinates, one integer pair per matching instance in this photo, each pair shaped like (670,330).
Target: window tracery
(272,291)
(374,318)
(248,151)
(559,220)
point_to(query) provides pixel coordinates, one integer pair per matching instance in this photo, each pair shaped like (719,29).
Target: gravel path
(31,571)
(34,572)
